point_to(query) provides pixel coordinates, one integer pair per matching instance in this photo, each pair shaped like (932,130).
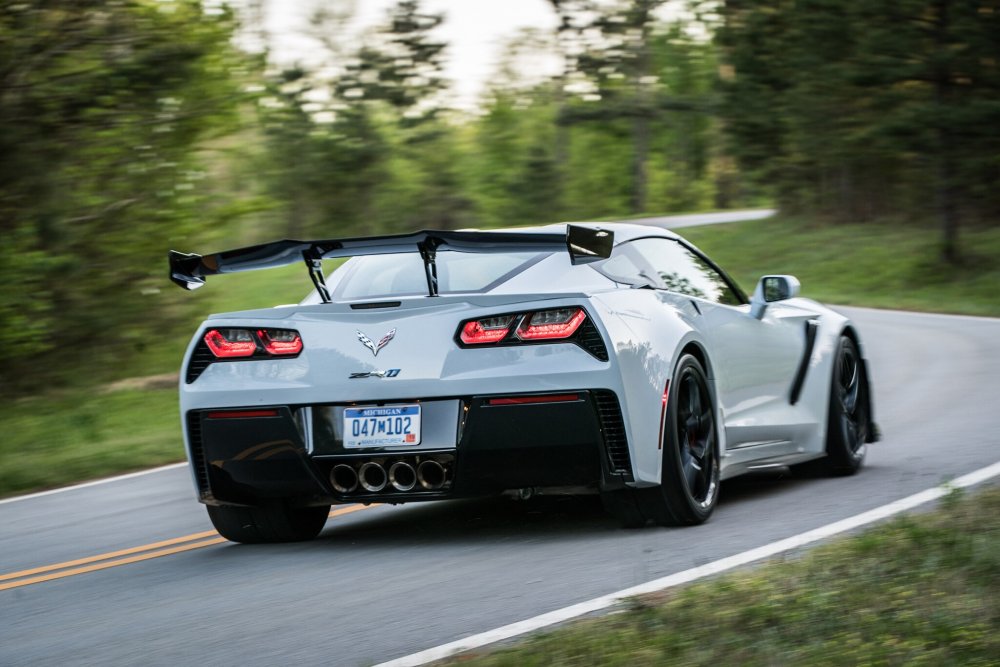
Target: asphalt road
(387,581)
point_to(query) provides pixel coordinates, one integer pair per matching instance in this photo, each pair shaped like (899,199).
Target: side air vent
(589,338)
(613,428)
(200,359)
(197,452)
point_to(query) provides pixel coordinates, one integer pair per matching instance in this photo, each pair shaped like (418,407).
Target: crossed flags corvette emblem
(372,345)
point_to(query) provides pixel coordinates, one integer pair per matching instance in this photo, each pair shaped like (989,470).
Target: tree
(101,109)
(863,108)
(636,71)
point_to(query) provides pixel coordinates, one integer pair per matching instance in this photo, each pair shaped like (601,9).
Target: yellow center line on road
(108,564)
(125,556)
(113,554)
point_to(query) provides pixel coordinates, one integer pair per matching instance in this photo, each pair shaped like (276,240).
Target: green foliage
(379,156)
(865,108)
(61,439)
(101,107)
(404,69)
(882,265)
(920,590)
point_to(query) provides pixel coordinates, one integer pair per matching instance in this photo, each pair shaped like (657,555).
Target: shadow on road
(476,520)
(483,519)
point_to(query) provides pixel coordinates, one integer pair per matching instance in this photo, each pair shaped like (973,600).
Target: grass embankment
(82,434)
(921,590)
(873,264)
(79,434)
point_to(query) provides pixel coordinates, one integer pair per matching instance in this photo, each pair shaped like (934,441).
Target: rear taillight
(551,324)
(242,343)
(280,341)
(486,330)
(230,343)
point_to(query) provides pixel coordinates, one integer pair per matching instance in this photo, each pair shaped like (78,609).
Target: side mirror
(771,289)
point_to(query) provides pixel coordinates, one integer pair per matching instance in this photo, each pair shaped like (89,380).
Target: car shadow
(478,519)
(761,485)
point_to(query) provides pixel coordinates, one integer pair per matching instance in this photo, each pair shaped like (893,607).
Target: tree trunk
(640,142)
(944,163)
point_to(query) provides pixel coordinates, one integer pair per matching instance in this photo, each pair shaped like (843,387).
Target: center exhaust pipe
(431,475)
(343,478)
(402,476)
(372,477)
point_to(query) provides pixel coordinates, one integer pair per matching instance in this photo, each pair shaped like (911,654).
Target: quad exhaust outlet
(343,478)
(431,475)
(392,475)
(402,476)
(372,477)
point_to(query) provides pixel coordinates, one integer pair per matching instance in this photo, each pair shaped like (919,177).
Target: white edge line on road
(687,576)
(96,482)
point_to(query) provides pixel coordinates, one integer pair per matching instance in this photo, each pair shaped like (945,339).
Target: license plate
(385,426)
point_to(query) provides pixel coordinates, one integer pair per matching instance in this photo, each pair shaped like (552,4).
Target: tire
(689,488)
(847,421)
(276,522)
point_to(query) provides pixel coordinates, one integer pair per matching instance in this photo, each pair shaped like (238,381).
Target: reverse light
(280,341)
(486,330)
(551,324)
(230,343)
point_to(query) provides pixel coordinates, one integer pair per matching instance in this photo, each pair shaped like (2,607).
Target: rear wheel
(275,522)
(689,487)
(847,423)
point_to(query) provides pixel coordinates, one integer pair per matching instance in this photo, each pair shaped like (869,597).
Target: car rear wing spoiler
(584,245)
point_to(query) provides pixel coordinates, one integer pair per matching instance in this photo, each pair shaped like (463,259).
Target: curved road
(383,582)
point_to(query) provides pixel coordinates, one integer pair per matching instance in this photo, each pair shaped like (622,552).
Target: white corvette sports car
(617,359)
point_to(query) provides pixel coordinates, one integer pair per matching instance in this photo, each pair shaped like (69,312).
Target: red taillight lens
(486,330)
(229,343)
(551,324)
(280,341)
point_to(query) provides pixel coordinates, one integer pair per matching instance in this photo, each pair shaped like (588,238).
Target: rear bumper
(497,442)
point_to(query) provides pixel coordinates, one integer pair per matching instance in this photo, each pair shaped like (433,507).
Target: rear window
(401,274)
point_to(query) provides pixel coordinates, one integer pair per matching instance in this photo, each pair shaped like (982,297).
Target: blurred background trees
(861,109)
(127,128)
(107,112)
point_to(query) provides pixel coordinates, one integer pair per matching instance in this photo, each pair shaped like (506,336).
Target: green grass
(60,439)
(921,590)
(878,265)
(83,433)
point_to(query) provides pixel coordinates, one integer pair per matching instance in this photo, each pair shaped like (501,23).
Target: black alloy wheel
(689,487)
(847,425)
(696,437)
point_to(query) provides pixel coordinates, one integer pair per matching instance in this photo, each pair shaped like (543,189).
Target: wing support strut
(314,263)
(428,253)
